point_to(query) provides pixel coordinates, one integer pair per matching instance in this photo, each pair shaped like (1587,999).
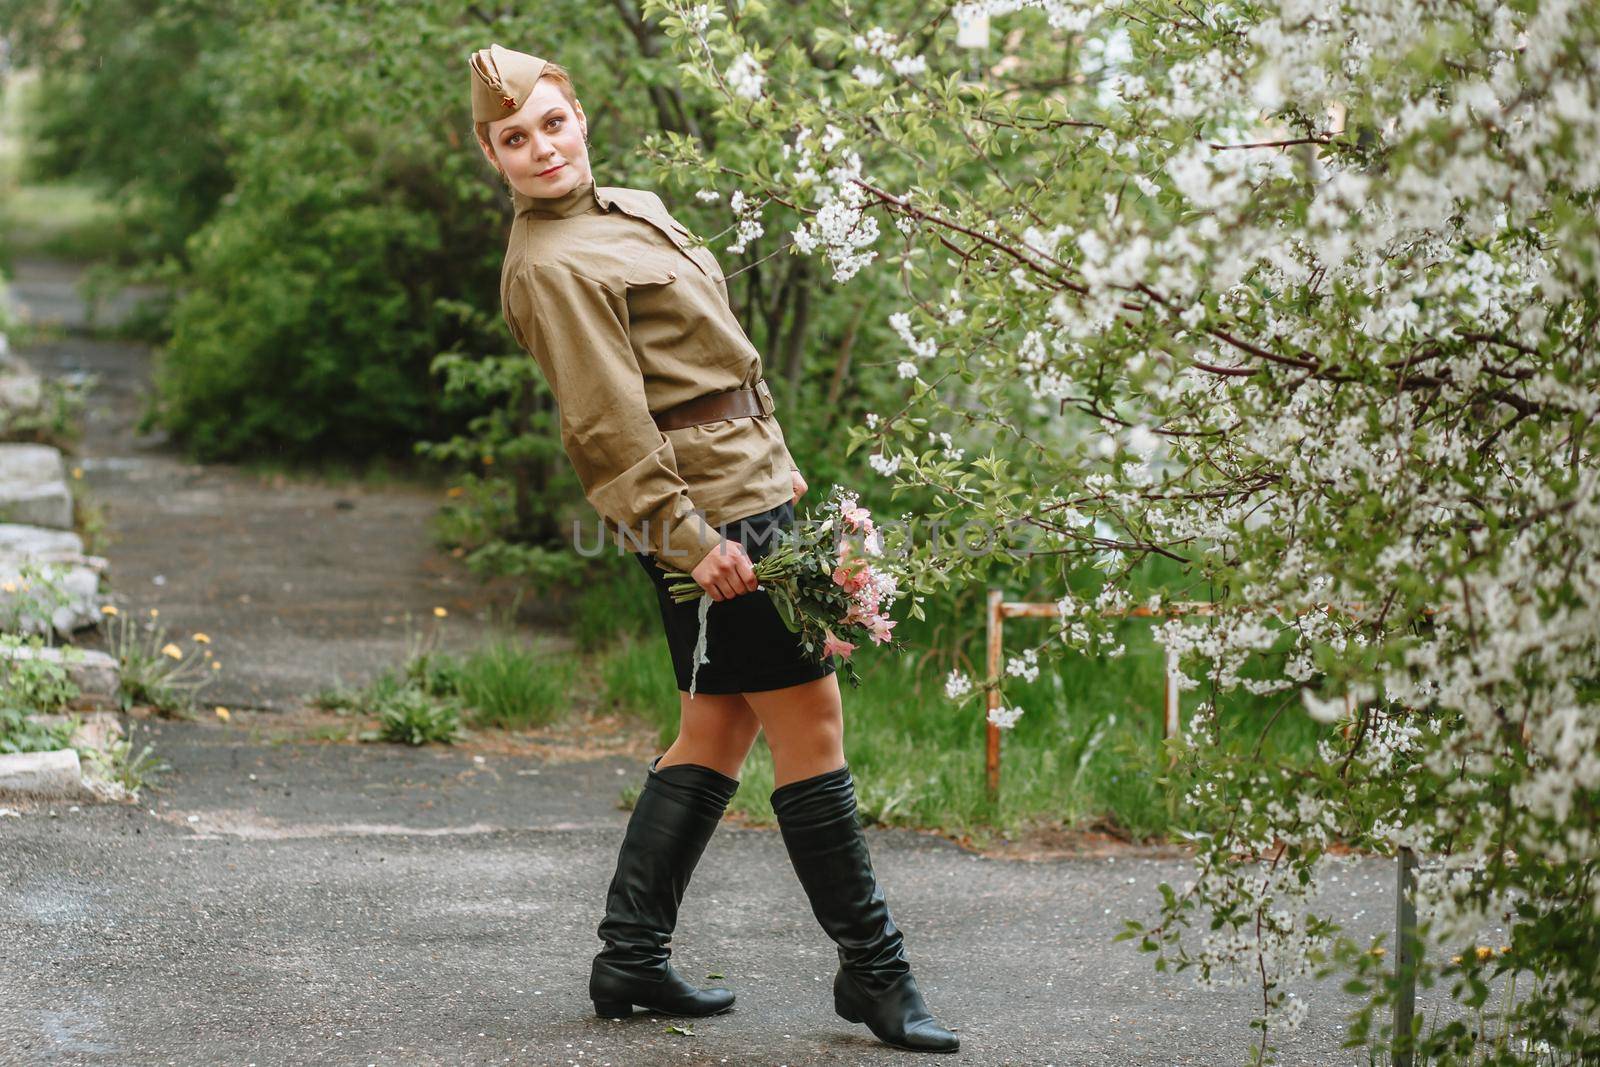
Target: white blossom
(745,77)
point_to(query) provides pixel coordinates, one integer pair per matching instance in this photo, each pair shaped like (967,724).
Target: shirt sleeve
(575,328)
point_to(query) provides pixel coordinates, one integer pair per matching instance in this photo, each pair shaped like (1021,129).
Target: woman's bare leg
(715,730)
(805,728)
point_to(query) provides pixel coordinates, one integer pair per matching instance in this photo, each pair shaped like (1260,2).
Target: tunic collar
(579,200)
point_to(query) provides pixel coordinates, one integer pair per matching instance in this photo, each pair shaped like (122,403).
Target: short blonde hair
(556,73)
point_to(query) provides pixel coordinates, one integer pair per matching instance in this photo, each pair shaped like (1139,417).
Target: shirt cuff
(686,542)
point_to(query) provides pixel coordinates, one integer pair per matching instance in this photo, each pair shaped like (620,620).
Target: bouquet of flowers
(827,577)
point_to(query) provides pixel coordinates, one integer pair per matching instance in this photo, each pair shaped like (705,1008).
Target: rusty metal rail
(1001,609)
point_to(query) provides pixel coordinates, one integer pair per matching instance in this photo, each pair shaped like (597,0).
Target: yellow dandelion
(216,664)
(170,649)
(1484,952)
(108,609)
(77,472)
(455,490)
(222,713)
(10,587)
(488,461)
(202,639)
(1455,959)
(1379,950)
(154,613)
(440,612)
(1504,949)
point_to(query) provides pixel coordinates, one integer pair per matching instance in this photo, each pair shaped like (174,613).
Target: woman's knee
(716,728)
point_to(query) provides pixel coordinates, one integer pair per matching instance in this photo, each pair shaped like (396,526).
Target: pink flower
(857,516)
(852,579)
(879,627)
(863,606)
(833,646)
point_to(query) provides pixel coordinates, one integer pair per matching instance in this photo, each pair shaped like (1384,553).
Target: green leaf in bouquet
(784,602)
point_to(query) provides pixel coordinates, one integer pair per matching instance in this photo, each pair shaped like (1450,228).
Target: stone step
(33,486)
(21,390)
(42,774)
(21,539)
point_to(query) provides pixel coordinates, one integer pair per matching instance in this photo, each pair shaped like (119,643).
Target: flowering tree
(1302,298)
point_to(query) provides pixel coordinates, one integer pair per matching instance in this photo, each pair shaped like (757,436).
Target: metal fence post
(992,754)
(1405,963)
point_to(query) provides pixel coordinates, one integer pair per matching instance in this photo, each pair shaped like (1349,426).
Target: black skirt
(748,647)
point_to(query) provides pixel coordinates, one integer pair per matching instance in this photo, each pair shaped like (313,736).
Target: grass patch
(507,683)
(512,686)
(636,678)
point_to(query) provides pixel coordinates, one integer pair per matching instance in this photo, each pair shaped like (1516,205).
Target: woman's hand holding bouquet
(828,578)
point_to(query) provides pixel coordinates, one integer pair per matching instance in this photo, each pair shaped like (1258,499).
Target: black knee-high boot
(874,984)
(676,813)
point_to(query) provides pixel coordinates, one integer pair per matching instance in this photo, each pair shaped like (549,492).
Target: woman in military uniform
(670,429)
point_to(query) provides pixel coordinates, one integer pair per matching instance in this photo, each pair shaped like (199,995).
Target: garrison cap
(501,81)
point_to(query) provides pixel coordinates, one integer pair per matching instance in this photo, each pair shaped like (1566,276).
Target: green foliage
(20,733)
(35,684)
(412,716)
(504,683)
(616,597)
(33,597)
(129,98)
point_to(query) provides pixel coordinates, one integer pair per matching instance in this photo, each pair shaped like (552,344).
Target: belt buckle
(764,395)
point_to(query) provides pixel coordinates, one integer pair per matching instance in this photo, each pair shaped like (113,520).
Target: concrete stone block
(42,774)
(20,539)
(31,463)
(33,486)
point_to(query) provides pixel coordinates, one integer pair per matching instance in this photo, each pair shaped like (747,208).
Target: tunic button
(672,275)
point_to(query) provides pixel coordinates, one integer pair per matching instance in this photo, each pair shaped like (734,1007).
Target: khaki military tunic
(626,317)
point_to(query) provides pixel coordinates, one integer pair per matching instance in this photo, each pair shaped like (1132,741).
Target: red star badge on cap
(508,103)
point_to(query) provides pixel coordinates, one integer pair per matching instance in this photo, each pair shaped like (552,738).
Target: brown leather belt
(714,407)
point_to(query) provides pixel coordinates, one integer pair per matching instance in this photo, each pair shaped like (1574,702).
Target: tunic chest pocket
(697,252)
(649,276)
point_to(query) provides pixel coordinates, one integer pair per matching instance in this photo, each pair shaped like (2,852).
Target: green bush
(411,716)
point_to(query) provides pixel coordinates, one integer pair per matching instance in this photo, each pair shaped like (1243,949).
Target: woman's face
(540,149)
